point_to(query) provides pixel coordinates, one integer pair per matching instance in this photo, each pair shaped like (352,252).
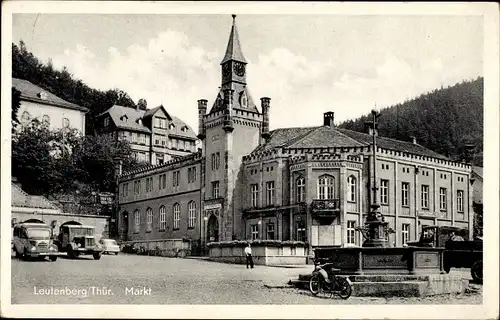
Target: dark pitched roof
(478,171)
(280,137)
(393,144)
(233,51)
(150,112)
(128,118)
(34,93)
(324,137)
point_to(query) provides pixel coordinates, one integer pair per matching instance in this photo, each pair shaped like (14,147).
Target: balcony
(325,209)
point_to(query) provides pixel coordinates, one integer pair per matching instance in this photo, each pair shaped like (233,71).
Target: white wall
(56,114)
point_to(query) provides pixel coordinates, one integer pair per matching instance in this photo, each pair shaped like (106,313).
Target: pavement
(133,279)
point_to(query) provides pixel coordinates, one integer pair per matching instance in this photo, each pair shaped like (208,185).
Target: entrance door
(213,229)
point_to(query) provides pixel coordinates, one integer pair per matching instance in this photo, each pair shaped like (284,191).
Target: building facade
(310,184)
(154,135)
(56,113)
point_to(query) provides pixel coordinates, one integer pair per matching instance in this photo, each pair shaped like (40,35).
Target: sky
(306,64)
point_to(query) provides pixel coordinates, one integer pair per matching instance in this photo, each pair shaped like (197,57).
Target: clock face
(239,69)
(226,70)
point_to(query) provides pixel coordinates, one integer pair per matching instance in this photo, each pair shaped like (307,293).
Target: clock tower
(230,130)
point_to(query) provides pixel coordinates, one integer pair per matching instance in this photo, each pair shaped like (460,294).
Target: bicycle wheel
(344,288)
(314,284)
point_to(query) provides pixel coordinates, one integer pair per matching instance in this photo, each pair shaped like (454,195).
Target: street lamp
(205,219)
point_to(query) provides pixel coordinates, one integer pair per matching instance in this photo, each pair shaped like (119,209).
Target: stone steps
(396,285)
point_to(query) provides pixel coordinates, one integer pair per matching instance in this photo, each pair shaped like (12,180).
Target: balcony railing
(327,208)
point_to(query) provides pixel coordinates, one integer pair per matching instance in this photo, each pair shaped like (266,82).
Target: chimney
(228,102)
(328,118)
(369,128)
(265,103)
(202,110)
(414,139)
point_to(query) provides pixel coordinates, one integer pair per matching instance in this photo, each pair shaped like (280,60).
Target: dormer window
(171,126)
(184,129)
(42,95)
(124,117)
(139,121)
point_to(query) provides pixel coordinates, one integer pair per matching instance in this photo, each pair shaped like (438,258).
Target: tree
(96,159)
(35,162)
(142,104)
(16,103)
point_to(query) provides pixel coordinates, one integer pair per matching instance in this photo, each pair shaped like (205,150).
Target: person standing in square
(248,254)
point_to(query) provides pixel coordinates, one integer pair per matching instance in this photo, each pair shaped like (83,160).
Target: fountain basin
(376,260)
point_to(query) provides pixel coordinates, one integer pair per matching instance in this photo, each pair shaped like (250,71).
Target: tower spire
(233,51)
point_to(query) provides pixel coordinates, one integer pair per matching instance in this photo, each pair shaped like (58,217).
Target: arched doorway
(213,229)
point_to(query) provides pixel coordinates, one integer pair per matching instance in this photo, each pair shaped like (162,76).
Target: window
(215,161)
(405,191)
(301,190)
(442,198)
(460,201)
(157,140)
(325,187)
(134,137)
(351,189)
(149,184)
(270,193)
(141,157)
(162,182)
(149,219)
(106,122)
(163,218)
(175,178)
(142,138)
(255,231)
(26,117)
(215,190)
(424,197)
(405,233)
(46,120)
(163,123)
(125,190)
(192,214)
(301,231)
(137,187)
(270,231)
(191,174)
(255,195)
(177,215)
(351,232)
(384,191)
(65,122)
(137,218)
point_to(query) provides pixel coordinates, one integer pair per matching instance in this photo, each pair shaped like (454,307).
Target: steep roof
(233,51)
(128,118)
(478,171)
(327,137)
(393,144)
(34,93)
(22,199)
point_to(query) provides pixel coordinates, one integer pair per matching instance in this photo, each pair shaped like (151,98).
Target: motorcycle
(324,279)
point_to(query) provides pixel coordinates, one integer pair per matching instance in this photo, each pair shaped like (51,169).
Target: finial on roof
(234,17)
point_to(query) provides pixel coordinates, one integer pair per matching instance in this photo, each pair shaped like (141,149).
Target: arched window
(137,219)
(177,215)
(351,189)
(26,117)
(300,190)
(149,219)
(163,218)
(192,214)
(326,187)
(46,120)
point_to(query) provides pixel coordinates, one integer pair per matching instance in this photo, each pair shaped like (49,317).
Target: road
(132,279)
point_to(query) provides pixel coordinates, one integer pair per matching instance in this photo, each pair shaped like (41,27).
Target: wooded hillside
(443,120)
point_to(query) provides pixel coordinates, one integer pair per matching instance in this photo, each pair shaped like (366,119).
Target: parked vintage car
(458,253)
(109,246)
(33,239)
(76,239)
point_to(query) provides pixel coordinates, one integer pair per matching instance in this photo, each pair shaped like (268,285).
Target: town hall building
(309,184)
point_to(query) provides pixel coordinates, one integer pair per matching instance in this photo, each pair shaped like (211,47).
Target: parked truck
(459,252)
(76,239)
